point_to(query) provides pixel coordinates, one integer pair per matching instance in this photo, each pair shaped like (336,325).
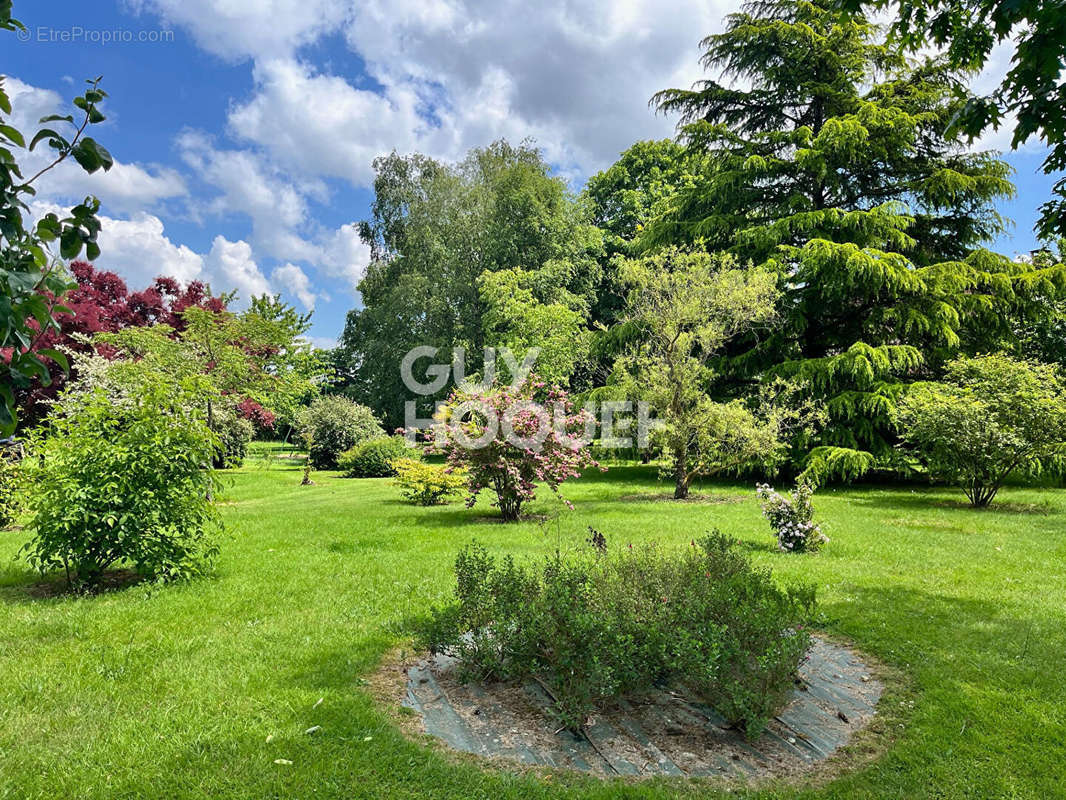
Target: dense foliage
(32,278)
(594,626)
(792,517)
(100,302)
(624,198)
(427,484)
(688,305)
(331,425)
(373,458)
(1033,92)
(234,432)
(256,362)
(505,440)
(435,230)
(10,487)
(123,480)
(830,162)
(991,417)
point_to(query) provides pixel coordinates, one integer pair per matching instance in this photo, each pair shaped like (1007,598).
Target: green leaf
(70,243)
(47,133)
(56,356)
(13,135)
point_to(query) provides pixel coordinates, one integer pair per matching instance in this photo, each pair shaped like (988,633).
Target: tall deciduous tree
(623,199)
(829,162)
(522,313)
(435,228)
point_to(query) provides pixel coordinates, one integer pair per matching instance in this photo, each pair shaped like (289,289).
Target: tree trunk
(681,476)
(507,499)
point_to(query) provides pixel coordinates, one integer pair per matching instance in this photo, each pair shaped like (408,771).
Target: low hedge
(595,625)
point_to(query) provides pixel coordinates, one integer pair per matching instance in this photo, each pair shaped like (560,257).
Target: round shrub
(427,484)
(334,424)
(234,433)
(373,458)
(123,481)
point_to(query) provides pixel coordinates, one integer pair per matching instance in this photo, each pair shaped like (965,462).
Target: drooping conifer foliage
(828,161)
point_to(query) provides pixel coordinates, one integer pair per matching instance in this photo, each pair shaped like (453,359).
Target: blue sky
(244,130)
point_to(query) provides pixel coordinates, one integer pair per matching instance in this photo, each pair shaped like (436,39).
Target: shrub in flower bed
(600,624)
(427,484)
(792,517)
(508,439)
(373,458)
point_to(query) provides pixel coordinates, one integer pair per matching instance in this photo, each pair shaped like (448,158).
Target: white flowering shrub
(792,517)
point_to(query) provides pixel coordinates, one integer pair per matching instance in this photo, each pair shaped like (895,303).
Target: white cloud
(237,29)
(125,188)
(454,75)
(249,186)
(295,281)
(139,250)
(232,266)
(344,255)
(322,124)
(322,342)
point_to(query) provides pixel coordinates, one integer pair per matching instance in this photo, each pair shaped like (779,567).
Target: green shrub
(234,432)
(592,626)
(427,484)
(10,488)
(334,424)
(993,417)
(373,458)
(123,481)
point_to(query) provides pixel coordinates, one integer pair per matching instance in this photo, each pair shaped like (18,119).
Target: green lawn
(173,693)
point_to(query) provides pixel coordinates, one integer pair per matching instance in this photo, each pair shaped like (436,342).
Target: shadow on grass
(927,499)
(668,497)
(951,636)
(28,587)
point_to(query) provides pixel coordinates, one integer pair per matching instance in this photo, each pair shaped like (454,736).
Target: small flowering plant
(792,517)
(510,438)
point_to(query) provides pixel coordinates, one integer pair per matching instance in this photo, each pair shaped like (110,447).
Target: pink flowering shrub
(510,439)
(792,517)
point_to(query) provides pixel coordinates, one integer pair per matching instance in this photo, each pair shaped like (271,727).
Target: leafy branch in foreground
(32,282)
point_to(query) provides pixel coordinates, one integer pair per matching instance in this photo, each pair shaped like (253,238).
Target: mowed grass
(173,693)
